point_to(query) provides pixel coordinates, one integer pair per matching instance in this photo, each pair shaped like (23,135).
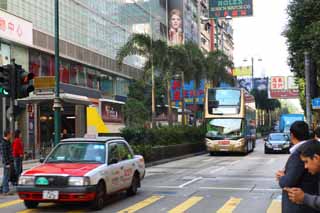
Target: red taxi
(83,170)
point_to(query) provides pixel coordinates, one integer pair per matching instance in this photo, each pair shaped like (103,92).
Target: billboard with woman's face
(175,29)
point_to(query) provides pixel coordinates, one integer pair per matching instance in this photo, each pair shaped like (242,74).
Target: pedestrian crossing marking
(275,207)
(186,205)
(230,205)
(141,204)
(10,203)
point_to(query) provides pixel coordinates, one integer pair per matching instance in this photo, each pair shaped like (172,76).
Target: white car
(83,170)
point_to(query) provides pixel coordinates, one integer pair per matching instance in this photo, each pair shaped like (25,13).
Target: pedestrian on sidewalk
(294,174)
(17,152)
(310,155)
(7,160)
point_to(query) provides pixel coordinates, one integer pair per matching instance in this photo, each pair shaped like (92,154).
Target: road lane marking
(210,159)
(141,204)
(275,207)
(10,203)
(238,189)
(230,205)
(217,170)
(186,205)
(190,182)
(235,162)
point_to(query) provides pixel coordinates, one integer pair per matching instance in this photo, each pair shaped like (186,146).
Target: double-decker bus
(230,120)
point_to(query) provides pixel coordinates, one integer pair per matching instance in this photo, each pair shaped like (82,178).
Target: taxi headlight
(26,180)
(79,181)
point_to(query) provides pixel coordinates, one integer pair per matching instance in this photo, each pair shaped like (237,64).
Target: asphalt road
(223,184)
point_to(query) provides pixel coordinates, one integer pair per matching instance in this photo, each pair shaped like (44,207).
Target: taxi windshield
(78,153)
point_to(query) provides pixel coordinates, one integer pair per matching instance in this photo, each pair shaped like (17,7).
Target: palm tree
(218,65)
(195,70)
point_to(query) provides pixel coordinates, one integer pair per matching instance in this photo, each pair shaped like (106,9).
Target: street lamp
(252,66)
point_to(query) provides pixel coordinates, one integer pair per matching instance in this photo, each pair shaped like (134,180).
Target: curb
(168,160)
(25,162)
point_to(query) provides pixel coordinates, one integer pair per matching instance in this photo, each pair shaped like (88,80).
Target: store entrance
(46,125)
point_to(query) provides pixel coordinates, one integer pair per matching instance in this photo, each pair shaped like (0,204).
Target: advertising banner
(189,93)
(242,71)
(15,29)
(111,112)
(260,84)
(282,87)
(245,83)
(234,8)
(175,28)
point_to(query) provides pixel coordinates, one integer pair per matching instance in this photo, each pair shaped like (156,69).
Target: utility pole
(57,102)
(307,88)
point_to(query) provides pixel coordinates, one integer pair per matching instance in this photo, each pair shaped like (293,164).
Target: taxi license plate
(50,195)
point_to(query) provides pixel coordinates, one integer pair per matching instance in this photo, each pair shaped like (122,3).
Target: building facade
(91,32)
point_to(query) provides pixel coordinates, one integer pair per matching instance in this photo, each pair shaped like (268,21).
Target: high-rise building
(91,33)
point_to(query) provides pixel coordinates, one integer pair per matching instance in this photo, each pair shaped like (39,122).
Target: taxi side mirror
(113,161)
(41,160)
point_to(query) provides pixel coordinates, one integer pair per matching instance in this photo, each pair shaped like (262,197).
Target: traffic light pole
(12,96)
(57,101)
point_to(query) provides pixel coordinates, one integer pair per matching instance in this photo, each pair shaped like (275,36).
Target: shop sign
(15,29)
(242,71)
(47,82)
(234,8)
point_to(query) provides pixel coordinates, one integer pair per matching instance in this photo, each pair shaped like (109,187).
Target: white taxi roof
(95,139)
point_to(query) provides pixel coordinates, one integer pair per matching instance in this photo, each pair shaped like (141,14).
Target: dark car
(277,142)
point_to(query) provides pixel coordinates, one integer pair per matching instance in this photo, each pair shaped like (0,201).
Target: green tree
(218,64)
(303,32)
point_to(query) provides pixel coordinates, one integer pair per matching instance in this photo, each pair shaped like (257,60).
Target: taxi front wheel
(98,202)
(31,204)
(134,185)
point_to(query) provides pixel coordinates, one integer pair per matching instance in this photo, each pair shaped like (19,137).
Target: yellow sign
(242,71)
(47,82)
(94,121)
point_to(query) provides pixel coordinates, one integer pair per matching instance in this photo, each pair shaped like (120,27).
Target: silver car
(277,142)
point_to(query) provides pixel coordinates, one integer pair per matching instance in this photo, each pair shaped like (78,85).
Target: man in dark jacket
(7,160)
(310,155)
(294,174)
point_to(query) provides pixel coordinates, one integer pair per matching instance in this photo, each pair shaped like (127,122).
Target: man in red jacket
(17,152)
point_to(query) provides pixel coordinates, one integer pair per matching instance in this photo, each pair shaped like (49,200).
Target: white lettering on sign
(15,29)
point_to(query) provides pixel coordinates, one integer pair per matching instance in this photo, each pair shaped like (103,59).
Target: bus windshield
(223,127)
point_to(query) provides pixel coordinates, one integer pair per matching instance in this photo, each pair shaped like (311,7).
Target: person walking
(7,160)
(294,174)
(17,152)
(310,155)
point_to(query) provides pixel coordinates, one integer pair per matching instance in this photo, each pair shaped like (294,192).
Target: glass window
(64,72)
(81,76)
(278,137)
(225,127)
(73,74)
(119,152)
(224,97)
(106,85)
(45,65)
(34,62)
(78,153)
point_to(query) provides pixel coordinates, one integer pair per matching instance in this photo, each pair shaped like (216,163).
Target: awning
(65,97)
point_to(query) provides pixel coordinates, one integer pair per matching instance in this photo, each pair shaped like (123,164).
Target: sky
(260,37)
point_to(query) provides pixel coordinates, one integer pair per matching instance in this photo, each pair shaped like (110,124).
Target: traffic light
(6,80)
(23,82)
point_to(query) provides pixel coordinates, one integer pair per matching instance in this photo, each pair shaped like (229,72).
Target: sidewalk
(25,165)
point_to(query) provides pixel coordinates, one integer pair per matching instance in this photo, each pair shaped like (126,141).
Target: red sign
(284,94)
(277,83)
